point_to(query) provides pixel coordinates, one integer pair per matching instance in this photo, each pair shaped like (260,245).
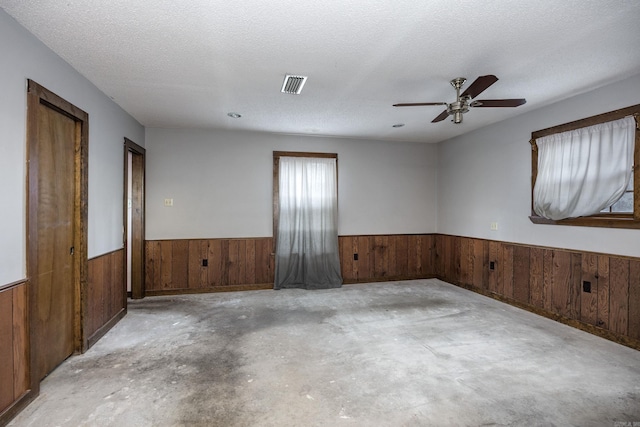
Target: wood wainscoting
(208,265)
(598,293)
(386,257)
(176,266)
(107,294)
(14,350)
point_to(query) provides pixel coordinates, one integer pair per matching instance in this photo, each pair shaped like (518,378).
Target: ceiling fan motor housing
(458,108)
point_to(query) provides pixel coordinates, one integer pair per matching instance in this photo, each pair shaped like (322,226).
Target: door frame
(36,95)
(137,262)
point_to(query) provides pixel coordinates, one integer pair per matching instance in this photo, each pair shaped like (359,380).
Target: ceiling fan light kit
(464,102)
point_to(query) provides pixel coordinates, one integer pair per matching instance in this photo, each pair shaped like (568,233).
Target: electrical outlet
(586,287)
(355,257)
(205,262)
(494,226)
(492,265)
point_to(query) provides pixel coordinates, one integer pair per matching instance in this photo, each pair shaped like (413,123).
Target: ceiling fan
(464,100)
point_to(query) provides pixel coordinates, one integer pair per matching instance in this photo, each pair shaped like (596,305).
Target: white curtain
(307,253)
(583,171)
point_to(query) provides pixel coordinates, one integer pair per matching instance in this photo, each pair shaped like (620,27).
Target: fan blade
(498,102)
(418,104)
(479,85)
(441,117)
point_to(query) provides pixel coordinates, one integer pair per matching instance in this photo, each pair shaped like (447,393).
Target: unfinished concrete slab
(415,353)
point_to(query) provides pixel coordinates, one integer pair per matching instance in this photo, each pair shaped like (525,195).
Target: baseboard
(16,407)
(105,328)
(387,279)
(212,289)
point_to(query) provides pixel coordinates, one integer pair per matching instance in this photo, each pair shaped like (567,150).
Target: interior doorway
(134,211)
(57,141)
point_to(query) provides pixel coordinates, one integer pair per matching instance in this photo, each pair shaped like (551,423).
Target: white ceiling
(178,63)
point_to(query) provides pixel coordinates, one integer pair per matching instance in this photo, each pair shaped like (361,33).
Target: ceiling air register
(293,84)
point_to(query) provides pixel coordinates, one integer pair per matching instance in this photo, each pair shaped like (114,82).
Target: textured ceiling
(173,63)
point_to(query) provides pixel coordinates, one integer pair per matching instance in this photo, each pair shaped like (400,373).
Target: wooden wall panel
(619,295)
(361,248)
(401,265)
(438,258)
(634,299)
(264,261)
(106,294)
(603,292)
(536,277)
(152,259)
(95,300)
(547,279)
(6,351)
(455,259)
(370,254)
(14,348)
(20,341)
(492,286)
(381,256)
(392,257)
(479,263)
(427,255)
(348,265)
(166,264)
(560,283)
(575,286)
(465,273)
(218,259)
(179,264)
(197,273)
(506,271)
(448,253)
(521,276)
(589,300)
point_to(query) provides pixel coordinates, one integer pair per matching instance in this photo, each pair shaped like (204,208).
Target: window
(625,212)
(305,198)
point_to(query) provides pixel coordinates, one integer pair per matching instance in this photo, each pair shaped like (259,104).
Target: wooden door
(134,216)
(55,251)
(56,227)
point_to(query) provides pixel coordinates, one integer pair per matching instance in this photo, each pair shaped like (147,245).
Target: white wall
(24,57)
(221,183)
(485,177)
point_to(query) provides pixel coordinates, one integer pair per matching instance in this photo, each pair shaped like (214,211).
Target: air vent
(293,84)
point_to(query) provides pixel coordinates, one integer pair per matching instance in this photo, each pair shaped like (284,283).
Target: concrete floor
(417,353)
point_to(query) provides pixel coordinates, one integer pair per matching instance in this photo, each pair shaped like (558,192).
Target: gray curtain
(307,253)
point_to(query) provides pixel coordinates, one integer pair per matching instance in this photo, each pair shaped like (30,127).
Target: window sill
(607,221)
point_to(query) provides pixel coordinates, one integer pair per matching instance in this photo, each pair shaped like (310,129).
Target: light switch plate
(494,226)
(168,202)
